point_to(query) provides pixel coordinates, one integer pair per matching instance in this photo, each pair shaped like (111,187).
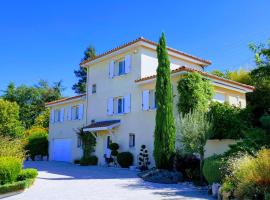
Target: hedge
(213,169)
(16,186)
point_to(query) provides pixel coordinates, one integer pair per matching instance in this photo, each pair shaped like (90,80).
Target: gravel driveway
(64,181)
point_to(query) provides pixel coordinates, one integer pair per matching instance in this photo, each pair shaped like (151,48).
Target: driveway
(65,181)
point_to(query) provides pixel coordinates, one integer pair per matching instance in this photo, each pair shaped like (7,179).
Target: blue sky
(46,39)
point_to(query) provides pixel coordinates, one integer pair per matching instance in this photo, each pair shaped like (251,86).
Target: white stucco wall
(149,63)
(67,129)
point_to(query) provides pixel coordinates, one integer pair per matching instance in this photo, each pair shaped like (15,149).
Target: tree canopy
(32,99)
(81,73)
(10,124)
(195,92)
(164,136)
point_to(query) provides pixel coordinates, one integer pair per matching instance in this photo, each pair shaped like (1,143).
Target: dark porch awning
(102,125)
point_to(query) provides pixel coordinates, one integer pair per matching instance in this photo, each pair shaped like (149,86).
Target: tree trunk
(201,167)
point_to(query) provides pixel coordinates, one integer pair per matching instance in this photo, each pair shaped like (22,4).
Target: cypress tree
(164,141)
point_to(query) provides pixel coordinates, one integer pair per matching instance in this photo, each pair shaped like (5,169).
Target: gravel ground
(65,181)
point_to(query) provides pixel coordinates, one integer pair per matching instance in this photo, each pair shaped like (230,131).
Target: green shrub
(228,122)
(16,186)
(213,169)
(77,161)
(12,147)
(37,143)
(125,159)
(10,168)
(114,148)
(251,175)
(29,173)
(91,160)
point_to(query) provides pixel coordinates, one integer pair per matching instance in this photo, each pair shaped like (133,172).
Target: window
(57,115)
(131,140)
(121,67)
(79,142)
(109,141)
(149,100)
(94,88)
(219,97)
(75,112)
(235,101)
(152,99)
(120,105)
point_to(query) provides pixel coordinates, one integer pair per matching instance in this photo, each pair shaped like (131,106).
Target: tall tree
(194,131)
(10,125)
(32,99)
(81,73)
(164,141)
(259,99)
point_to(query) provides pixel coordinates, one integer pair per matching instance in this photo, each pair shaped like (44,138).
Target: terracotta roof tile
(149,42)
(183,68)
(64,99)
(102,124)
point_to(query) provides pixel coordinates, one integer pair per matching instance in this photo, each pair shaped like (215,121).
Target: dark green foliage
(10,167)
(29,173)
(88,143)
(37,143)
(125,159)
(77,161)
(16,186)
(188,165)
(228,122)
(114,148)
(253,141)
(265,122)
(32,99)
(91,160)
(9,119)
(164,136)
(144,158)
(81,73)
(195,92)
(214,169)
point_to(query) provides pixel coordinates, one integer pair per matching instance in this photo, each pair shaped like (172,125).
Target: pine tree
(81,73)
(164,142)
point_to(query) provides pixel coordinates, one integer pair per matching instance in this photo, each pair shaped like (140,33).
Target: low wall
(217,146)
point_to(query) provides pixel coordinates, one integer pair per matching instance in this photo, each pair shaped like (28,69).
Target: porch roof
(102,125)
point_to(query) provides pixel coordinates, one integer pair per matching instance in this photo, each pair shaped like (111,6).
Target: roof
(65,99)
(102,125)
(183,68)
(207,62)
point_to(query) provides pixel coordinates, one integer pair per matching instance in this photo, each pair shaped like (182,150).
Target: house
(119,105)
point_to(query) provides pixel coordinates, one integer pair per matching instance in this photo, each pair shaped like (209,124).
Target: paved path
(64,181)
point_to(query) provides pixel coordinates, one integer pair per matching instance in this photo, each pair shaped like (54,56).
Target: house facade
(119,105)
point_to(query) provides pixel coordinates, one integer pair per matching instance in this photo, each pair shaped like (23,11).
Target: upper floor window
(57,115)
(118,105)
(219,97)
(94,88)
(120,67)
(149,100)
(75,112)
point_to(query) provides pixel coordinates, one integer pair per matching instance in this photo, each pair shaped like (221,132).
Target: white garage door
(62,150)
